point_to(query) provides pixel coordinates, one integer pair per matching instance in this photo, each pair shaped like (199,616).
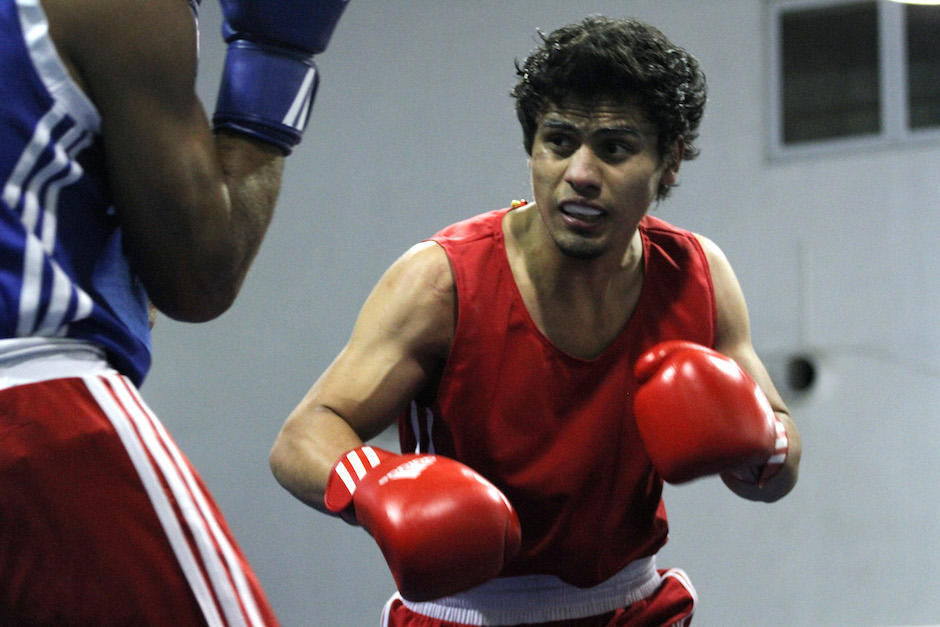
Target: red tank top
(554,432)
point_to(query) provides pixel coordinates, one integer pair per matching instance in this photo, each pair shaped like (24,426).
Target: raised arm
(193,205)
(397,347)
(733,338)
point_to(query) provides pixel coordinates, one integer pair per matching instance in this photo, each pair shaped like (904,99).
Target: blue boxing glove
(270,78)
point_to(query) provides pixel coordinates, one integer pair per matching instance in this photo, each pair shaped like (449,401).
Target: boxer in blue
(119,194)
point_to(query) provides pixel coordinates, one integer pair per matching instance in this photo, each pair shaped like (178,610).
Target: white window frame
(892,68)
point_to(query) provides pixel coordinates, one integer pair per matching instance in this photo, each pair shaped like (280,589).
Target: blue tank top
(63,273)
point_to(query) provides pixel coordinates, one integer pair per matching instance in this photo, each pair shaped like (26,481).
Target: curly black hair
(621,60)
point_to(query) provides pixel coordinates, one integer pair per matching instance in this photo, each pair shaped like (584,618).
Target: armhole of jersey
(713,323)
(455,340)
(457,281)
(51,69)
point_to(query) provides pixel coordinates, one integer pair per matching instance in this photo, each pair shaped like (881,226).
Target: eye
(617,148)
(561,143)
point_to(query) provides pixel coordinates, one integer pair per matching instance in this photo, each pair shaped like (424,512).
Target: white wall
(413,129)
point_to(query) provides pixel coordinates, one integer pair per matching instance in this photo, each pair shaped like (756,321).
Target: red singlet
(554,432)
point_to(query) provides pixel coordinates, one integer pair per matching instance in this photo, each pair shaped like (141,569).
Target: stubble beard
(579,247)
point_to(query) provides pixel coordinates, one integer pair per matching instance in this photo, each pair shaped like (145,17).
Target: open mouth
(584,213)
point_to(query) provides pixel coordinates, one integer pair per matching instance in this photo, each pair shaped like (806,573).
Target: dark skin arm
(193,206)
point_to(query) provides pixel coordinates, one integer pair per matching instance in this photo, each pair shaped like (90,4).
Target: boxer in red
(550,364)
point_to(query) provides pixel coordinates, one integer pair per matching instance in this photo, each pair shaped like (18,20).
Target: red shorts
(671,604)
(103,521)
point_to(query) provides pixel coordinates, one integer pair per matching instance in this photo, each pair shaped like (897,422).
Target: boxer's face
(595,172)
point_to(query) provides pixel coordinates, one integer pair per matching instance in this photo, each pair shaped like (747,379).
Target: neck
(556,274)
(579,305)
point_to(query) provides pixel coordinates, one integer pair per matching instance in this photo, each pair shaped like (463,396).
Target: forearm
(193,243)
(267,89)
(252,173)
(308,445)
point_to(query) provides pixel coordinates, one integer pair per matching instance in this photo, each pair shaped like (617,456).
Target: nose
(583,171)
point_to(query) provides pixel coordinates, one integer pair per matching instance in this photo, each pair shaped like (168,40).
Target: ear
(671,161)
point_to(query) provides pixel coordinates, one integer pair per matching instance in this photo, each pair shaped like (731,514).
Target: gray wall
(412,130)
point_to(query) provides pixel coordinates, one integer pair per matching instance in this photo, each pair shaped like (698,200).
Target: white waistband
(542,598)
(28,360)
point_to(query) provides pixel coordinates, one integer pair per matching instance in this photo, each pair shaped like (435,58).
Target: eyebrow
(616,129)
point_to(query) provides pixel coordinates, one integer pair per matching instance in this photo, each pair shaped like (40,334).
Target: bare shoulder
(733,324)
(712,251)
(723,277)
(414,301)
(424,265)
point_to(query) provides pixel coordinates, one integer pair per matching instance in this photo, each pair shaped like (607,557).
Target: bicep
(397,346)
(732,325)
(137,60)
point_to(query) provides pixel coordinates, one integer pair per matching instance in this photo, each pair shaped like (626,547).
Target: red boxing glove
(699,413)
(441,526)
